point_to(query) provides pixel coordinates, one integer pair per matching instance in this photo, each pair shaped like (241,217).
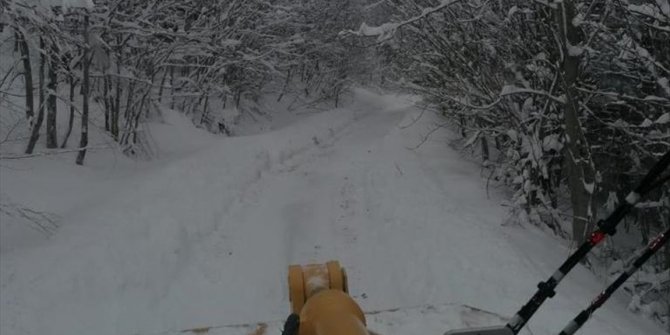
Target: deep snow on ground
(202,236)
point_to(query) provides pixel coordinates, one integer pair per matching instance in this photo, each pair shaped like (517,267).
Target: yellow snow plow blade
(319,295)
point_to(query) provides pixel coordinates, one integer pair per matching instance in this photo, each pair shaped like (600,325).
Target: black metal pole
(642,256)
(606,227)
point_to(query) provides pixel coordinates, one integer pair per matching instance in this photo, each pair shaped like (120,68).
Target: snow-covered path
(206,239)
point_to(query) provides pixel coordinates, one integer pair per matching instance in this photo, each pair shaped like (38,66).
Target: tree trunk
(238,98)
(52,136)
(337,97)
(40,77)
(134,123)
(17,38)
(27,77)
(160,89)
(286,83)
(129,100)
(83,142)
(485,147)
(107,87)
(205,113)
(35,135)
(70,122)
(117,105)
(580,171)
(172,87)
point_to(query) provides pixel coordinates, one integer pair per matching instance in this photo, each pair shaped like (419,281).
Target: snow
(509,89)
(551,142)
(386,30)
(663,119)
(383,31)
(512,11)
(202,236)
(67,3)
(574,50)
(646,123)
(78,4)
(663,82)
(651,10)
(512,89)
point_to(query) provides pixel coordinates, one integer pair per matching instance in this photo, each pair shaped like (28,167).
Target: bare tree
(580,171)
(27,75)
(72,83)
(52,88)
(35,134)
(85,89)
(574,94)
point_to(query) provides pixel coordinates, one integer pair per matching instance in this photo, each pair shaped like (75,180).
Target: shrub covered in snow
(566,102)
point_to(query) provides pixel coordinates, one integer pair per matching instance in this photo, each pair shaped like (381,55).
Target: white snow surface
(202,237)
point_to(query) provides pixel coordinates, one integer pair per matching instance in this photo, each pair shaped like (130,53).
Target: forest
(564,105)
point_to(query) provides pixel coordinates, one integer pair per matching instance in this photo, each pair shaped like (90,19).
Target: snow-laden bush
(566,102)
(201,58)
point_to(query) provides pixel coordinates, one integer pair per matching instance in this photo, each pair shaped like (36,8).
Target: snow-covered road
(205,240)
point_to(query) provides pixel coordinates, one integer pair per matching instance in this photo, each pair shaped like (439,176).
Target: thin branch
(427,136)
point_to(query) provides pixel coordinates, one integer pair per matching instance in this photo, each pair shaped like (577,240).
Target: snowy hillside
(202,236)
